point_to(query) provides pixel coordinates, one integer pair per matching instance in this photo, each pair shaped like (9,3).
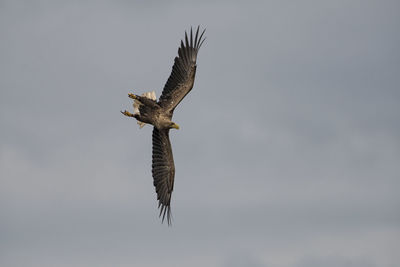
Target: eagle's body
(159,114)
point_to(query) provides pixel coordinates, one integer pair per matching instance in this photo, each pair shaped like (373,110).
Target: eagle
(146,109)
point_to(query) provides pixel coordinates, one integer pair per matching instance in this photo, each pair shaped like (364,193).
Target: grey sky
(288,153)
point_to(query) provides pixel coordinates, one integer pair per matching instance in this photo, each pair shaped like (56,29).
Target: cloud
(335,262)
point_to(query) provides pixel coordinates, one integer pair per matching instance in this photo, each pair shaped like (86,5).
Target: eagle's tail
(137,104)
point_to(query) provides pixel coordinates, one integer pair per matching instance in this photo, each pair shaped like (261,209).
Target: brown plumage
(159,114)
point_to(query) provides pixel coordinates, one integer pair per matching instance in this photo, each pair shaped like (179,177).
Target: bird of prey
(146,109)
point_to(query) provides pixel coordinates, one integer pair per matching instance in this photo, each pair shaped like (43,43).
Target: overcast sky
(288,153)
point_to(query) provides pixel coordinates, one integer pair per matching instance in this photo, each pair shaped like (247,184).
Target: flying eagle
(146,109)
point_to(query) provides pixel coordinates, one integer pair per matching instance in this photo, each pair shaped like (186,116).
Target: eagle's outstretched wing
(163,169)
(181,80)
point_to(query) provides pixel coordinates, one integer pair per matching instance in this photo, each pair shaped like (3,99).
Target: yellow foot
(127,113)
(133,96)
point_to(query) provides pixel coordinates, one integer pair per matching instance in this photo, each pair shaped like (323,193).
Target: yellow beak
(176,126)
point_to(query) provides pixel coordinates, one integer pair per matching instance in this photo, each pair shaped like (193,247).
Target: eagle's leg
(128,114)
(146,100)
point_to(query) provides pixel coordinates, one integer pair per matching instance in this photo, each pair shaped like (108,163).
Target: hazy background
(288,153)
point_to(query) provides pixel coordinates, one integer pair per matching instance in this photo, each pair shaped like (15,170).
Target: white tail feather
(137,104)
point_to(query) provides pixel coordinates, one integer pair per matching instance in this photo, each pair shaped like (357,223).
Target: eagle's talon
(133,96)
(127,113)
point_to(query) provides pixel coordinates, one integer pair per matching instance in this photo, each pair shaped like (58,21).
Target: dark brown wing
(163,169)
(181,80)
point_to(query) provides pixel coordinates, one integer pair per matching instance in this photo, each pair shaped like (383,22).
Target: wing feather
(163,170)
(181,80)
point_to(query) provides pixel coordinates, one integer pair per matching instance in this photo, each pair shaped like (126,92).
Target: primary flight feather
(159,114)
